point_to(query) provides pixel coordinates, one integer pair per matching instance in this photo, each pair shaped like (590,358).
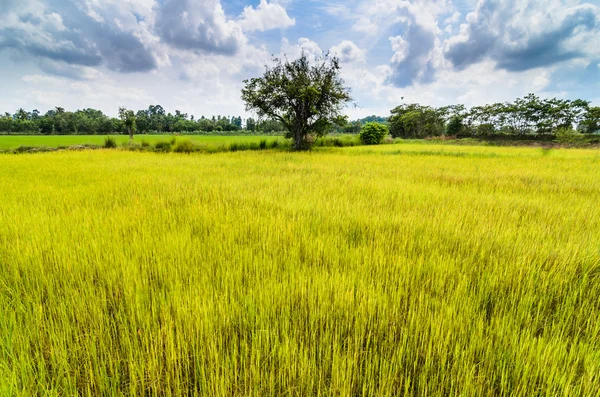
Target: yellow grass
(379,271)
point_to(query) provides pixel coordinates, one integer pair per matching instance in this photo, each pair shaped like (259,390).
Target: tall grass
(357,271)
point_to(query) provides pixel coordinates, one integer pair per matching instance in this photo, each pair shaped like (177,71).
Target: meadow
(404,269)
(53,141)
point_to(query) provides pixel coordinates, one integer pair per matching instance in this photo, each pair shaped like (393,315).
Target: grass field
(368,271)
(14,141)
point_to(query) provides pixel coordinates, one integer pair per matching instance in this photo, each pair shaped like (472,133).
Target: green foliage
(416,121)
(110,142)
(163,146)
(571,137)
(591,121)
(455,126)
(373,133)
(306,98)
(184,146)
(128,118)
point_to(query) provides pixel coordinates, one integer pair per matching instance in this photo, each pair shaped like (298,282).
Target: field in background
(399,269)
(14,141)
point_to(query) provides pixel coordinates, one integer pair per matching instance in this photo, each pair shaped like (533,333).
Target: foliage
(455,126)
(306,98)
(162,146)
(413,269)
(373,133)
(110,142)
(416,121)
(128,119)
(571,137)
(184,146)
(591,121)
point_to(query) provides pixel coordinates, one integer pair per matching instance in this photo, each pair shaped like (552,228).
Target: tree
(128,118)
(416,121)
(591,121)
(455,126)
(306,98)
(250,124)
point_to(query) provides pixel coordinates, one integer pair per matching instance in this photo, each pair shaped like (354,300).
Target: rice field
(395,270)
(53,141)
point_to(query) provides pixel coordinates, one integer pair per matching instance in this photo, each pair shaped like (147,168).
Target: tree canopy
(306,97)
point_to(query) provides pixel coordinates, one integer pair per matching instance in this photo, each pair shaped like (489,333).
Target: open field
(14,141)
(404,269)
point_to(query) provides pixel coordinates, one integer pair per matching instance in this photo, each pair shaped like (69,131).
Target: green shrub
(263,144)
(233,147)
(162,146)
(274,144)
(373,133)
(568,136)
(110,142)
(145,144)
(184,146)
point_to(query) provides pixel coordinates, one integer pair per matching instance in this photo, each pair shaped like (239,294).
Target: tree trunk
(130,130)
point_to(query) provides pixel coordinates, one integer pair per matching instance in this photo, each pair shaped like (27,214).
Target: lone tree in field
(128,118)
(306,98)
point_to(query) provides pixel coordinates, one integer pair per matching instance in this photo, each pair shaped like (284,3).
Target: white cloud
(266,16)
(525,34)
(348,52)
(400,48)
(199,26)
(293,51)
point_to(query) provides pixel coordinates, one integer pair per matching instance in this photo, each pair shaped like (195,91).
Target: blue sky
(192,55)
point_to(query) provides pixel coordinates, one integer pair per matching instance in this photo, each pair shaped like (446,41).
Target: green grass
(14,141)
(367,271)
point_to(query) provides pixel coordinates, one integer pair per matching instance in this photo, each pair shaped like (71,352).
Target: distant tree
(21,115)
(591,120)
(46,125)
(250,124)
(307,99)
(128,119)
(455,126)
(416,121)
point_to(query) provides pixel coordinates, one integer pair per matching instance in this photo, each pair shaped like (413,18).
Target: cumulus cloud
(293,51)
(414,52)
(524,34)
(266,16)
(201,26)
(348,52)
(61,34)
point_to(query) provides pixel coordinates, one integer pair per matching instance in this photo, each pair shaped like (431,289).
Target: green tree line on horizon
(529,116)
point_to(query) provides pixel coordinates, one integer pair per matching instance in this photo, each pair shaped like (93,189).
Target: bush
(569,136)
(263,144)
(373,133)
(162,146)
(184,146)
(110,143)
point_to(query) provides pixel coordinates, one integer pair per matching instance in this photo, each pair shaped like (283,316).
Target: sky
(193,55)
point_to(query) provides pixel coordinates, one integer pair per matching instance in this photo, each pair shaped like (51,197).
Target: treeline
(152,120)
(529,117)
